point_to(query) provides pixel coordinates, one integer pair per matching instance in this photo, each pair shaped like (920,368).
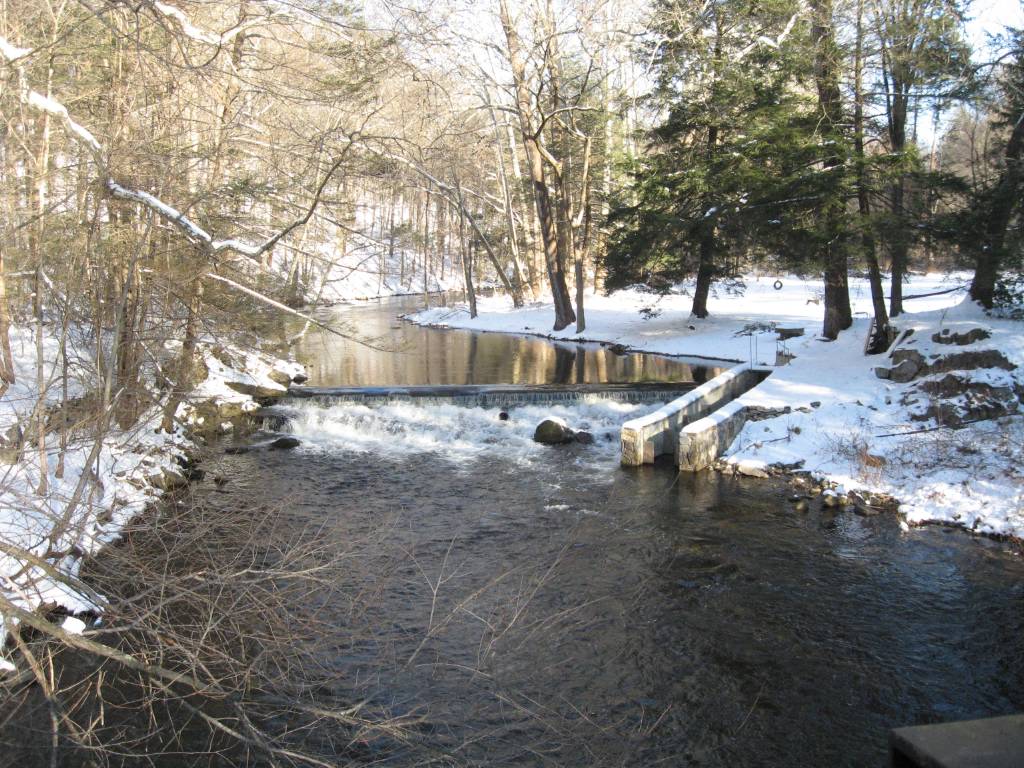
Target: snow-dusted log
(206,241)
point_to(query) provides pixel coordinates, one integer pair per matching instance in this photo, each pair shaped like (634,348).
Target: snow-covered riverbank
(104,475)
(845,425)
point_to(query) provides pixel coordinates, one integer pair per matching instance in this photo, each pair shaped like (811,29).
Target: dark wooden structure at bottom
(995,742)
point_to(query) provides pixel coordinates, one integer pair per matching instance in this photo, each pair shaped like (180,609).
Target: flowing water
(538,606)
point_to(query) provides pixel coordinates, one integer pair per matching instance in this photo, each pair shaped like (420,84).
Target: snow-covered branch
(184,24)
(15,55)
(768,41)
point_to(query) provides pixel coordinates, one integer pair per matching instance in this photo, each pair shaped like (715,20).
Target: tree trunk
(518,277)
(466,251)
(7,376)
(40,411)
(391,242)
(838,315)
(561,138)
(426,250)
(529,214)
(564,314)
(184,368)
(583,251)
(897,97)
(707,249)
(440,228)
(38,191)
(879,338)
(1003,199)
(898,250)
(705,273)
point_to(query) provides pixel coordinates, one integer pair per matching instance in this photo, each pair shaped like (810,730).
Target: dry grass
(211,649)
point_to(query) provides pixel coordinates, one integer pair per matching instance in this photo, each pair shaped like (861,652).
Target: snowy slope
(101,487)
(862,434)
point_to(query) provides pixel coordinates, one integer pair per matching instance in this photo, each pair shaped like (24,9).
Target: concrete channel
(994,742)
(692,427)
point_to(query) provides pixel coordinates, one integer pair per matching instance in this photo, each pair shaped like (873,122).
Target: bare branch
(181,20)
(285,308)
(198,236)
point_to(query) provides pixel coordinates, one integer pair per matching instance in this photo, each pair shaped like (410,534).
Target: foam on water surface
(459,433)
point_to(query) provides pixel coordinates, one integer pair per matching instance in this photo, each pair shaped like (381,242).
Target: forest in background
(162,162)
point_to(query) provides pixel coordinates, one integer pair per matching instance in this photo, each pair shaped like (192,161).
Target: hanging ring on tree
(777,285)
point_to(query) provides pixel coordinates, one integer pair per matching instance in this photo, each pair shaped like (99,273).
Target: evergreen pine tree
(711,180)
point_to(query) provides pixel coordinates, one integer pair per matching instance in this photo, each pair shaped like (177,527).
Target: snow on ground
(846,426)
(862,434)
(96,489)
(650,323)
(234,377)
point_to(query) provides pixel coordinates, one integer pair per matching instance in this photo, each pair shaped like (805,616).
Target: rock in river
(553,432)
(284,443)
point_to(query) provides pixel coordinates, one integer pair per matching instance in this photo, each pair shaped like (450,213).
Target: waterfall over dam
(493,395)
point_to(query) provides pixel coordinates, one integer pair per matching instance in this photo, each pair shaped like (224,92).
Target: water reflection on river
(411,355)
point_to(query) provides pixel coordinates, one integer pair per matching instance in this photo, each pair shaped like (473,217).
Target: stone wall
(704,440)
(656,434)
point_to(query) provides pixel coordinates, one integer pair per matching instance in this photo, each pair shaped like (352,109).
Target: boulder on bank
(167,479)
(904,371)
(284,378)
(553,432)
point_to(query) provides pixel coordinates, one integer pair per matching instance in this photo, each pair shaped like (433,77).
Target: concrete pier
(650,436)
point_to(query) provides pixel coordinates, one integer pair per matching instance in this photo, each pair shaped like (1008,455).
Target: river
(543,606)
(521,605)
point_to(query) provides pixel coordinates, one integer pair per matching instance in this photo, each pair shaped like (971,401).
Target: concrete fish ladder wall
(659,432)
(704,440)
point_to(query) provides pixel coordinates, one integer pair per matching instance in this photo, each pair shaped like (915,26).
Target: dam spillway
(493,395)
